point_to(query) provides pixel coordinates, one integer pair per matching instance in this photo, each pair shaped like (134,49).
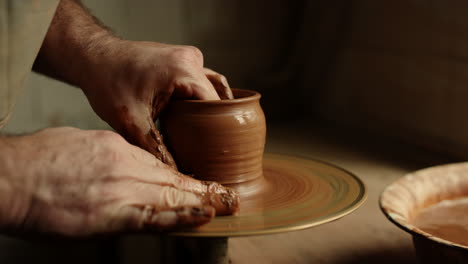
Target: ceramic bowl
(403,200)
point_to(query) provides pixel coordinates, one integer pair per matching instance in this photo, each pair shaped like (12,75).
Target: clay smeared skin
(225,200)
(176,218)
(223,90)
(161,151)
(149,140)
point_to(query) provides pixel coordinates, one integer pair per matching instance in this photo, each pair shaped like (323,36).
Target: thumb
(155,145)
(138,128)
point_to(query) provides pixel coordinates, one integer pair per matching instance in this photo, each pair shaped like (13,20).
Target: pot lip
(252,96)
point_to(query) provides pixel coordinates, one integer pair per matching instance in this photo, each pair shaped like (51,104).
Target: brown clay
(220,141)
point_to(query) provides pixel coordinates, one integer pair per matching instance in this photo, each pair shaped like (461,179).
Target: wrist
(93,57)
(100,50)
(15,186)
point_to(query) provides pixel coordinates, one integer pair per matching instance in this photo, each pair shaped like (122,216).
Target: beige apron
(23,25)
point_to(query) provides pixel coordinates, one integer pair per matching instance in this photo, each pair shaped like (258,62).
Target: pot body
(219,141)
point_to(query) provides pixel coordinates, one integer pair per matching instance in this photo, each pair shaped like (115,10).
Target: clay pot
(219,141)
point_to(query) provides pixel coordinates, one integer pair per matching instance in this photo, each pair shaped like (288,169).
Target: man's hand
(87,182)
(127,83)
(73,182)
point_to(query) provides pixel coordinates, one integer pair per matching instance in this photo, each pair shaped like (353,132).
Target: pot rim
(251,96)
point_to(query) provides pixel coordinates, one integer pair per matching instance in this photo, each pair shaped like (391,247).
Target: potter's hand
(73,182)
(127,82)
(134,81)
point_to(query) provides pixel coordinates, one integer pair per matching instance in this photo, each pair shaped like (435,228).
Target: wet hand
(73,182)
(130,83)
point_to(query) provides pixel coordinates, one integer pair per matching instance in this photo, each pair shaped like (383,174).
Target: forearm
(73,44)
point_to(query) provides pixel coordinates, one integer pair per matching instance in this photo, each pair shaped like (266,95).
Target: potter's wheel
(299,193)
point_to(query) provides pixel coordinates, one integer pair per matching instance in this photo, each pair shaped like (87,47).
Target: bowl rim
(413,230)
(253,96)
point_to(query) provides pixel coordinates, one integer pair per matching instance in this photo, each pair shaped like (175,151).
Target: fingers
(156,146)
(159,198)
(206,91)
(163,197)
(156,159)
(147,217)
(195,87)
(180,218)
(151,142)
(167,188)
(220,84)
(149,206)
(143,156)
(210,86)
(223,199)
(139,129)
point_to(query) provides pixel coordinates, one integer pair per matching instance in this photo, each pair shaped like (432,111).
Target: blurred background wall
(392,68)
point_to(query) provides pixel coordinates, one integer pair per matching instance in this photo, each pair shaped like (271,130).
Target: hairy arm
(73,43)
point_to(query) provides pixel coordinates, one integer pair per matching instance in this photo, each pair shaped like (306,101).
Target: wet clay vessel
(224,141)
(219,141)
(432,205)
